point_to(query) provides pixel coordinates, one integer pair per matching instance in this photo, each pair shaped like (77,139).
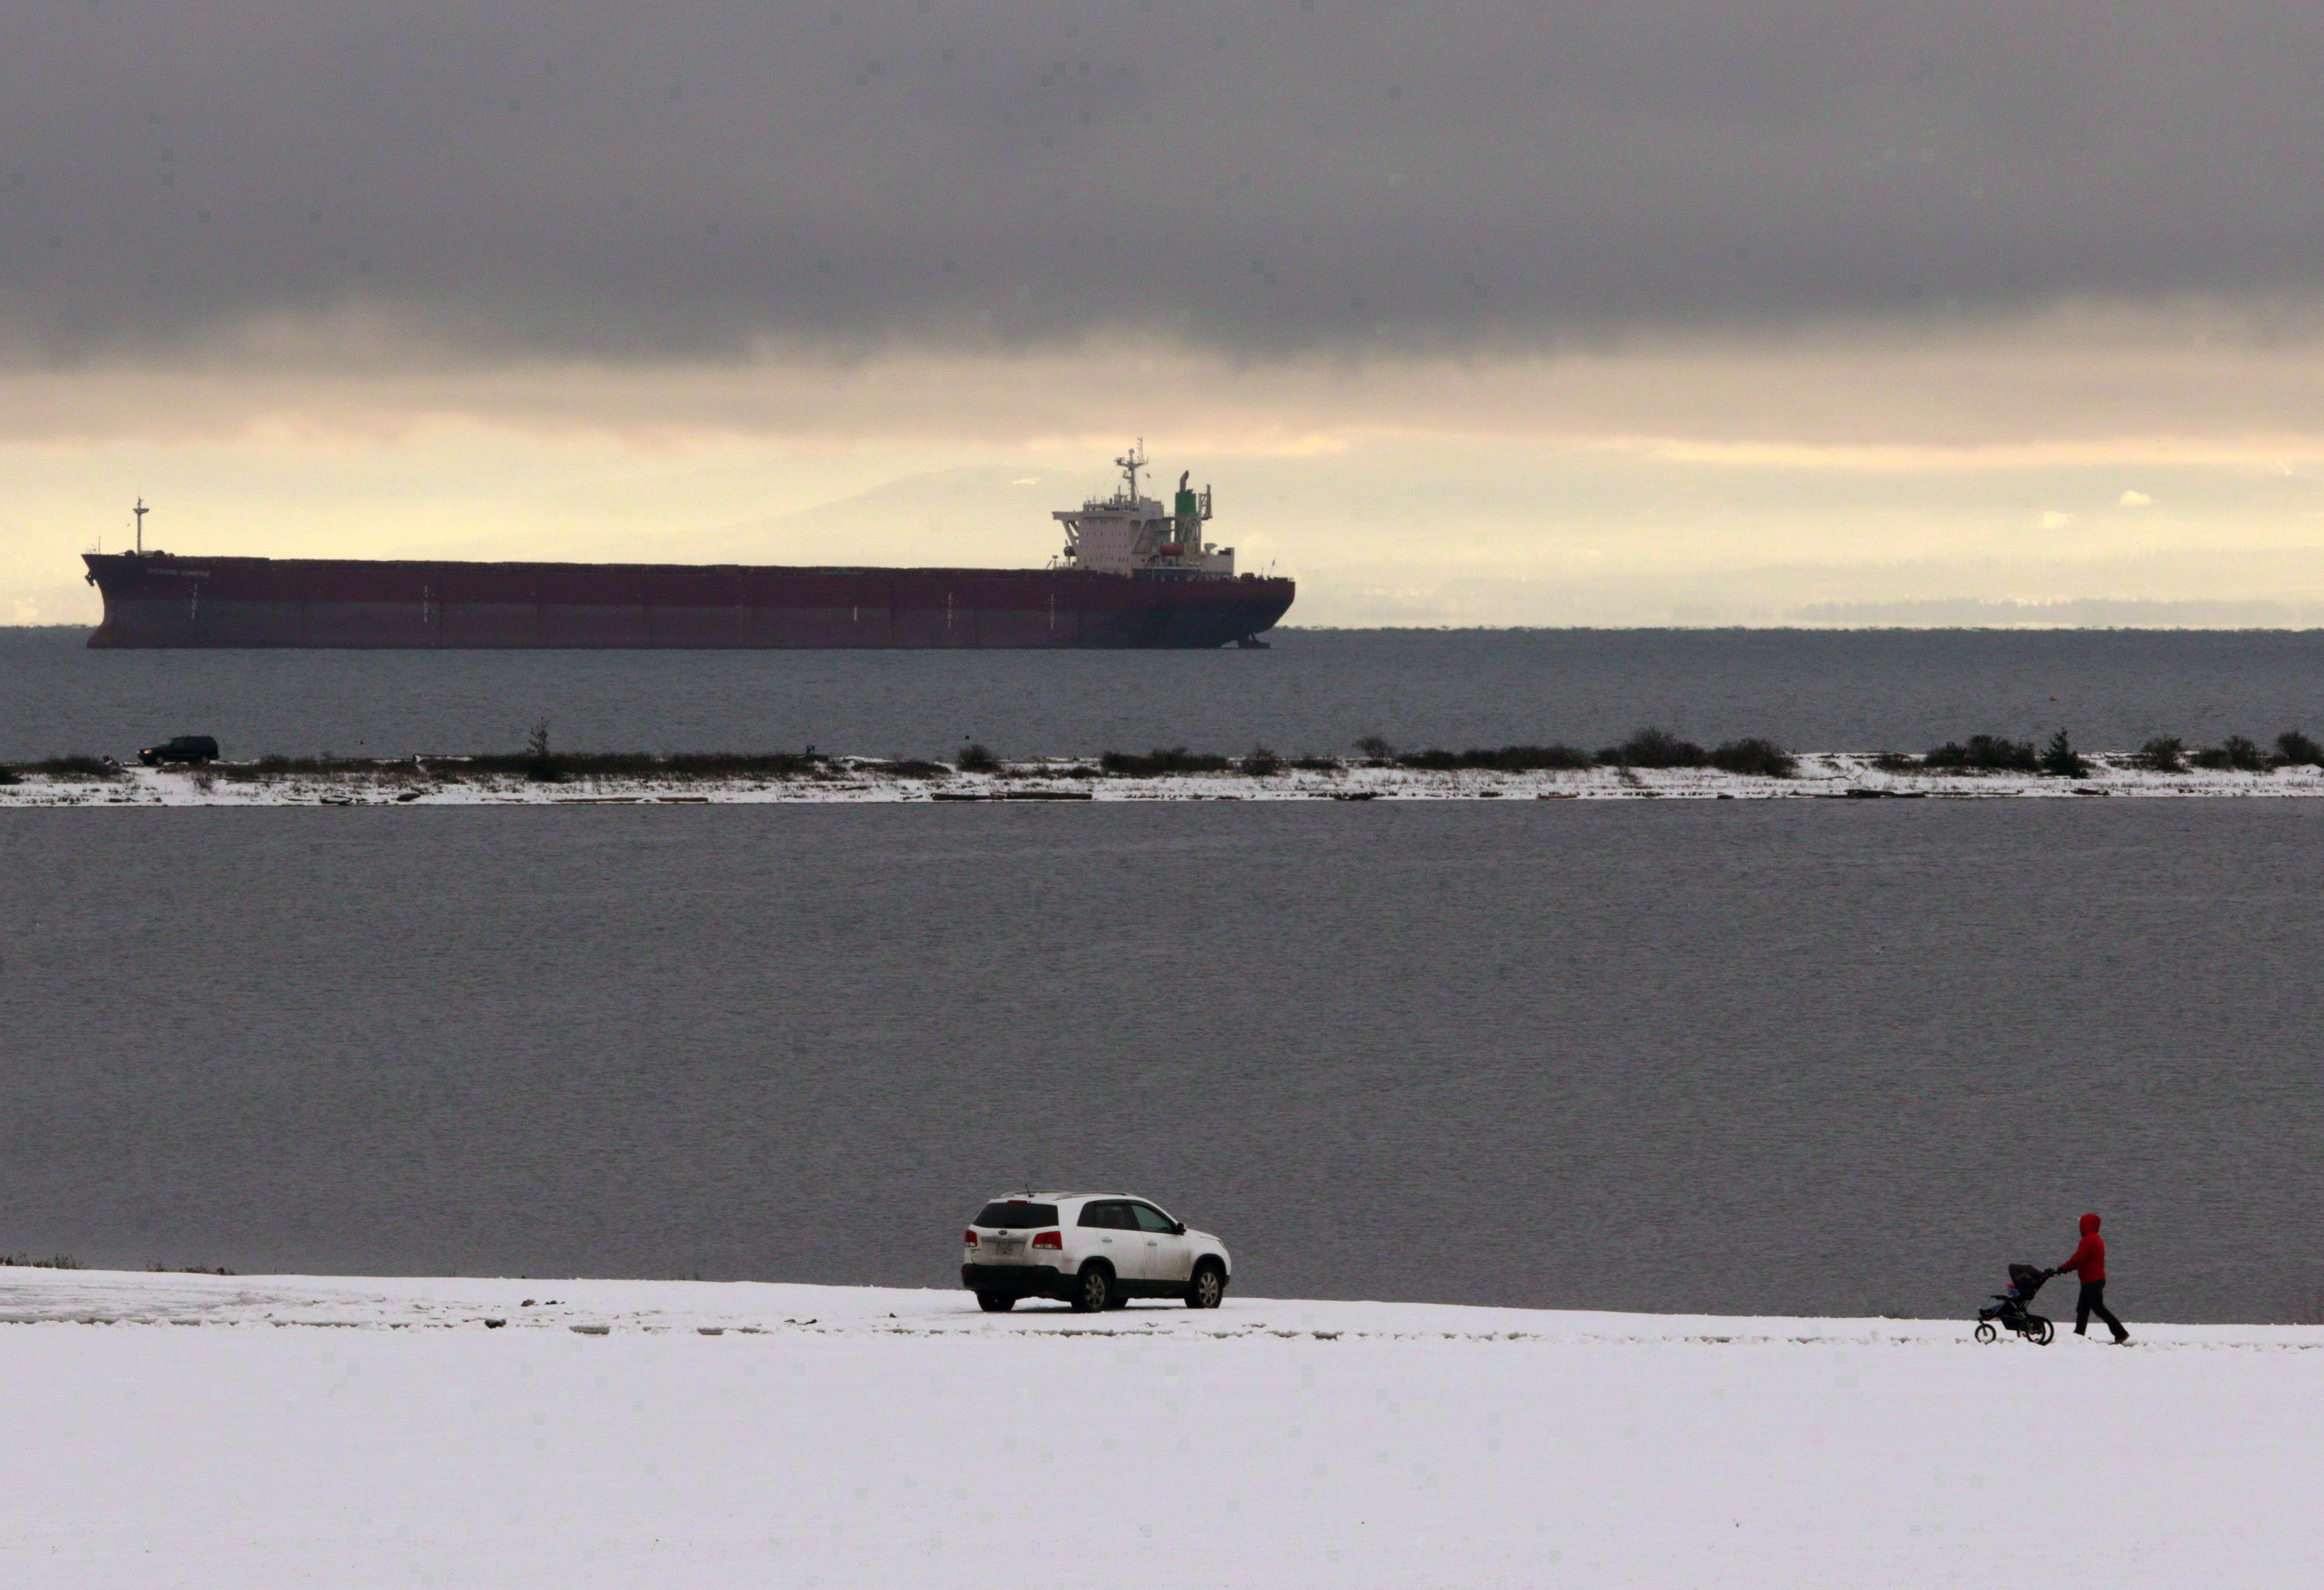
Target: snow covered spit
(203,1431)
(439,781)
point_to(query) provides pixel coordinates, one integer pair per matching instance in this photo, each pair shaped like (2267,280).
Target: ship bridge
(1134,534)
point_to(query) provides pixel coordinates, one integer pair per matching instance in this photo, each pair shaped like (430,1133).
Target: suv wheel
(995,1302)
(1210,1286)
(1094,1291)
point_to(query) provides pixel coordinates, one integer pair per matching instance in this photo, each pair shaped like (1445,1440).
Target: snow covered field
(197,1430)
(1826,775)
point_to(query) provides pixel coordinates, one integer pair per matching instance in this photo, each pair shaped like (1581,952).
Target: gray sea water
(1800,1058)
(1315,691)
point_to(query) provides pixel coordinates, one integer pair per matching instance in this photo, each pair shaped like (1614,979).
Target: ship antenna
(140,511)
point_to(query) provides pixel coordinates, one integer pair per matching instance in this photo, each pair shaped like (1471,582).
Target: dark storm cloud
(682,178)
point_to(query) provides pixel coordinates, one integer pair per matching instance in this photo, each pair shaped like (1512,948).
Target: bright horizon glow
(1895,480)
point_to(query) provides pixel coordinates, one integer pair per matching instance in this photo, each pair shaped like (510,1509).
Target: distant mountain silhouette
(969,517)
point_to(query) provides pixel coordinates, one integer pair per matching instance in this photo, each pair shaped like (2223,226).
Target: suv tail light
(1050,1239)
(968,1239)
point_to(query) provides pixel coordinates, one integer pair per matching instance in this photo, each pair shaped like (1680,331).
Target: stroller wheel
(1985,1331)
(2041,1331)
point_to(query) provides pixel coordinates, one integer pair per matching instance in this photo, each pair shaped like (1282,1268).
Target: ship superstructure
(1128,533)
(1133,574)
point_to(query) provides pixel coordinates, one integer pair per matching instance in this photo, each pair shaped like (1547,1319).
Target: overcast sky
(865,238)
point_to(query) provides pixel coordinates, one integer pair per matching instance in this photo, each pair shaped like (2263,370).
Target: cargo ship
(1132,574)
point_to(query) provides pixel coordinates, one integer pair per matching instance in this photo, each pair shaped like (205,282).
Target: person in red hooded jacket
(2089,1261)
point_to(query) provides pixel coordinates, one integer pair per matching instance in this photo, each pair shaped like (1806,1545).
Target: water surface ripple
(1316,691)
(1794,1058)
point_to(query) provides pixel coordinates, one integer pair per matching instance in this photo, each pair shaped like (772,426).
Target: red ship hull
(158,599)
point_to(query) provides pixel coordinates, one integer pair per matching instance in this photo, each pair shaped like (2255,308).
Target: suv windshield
(1015,1214)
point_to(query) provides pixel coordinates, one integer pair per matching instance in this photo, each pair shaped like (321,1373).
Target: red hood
(2089,1225)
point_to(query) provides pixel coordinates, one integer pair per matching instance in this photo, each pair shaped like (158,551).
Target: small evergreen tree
(2061,761)
(541,763)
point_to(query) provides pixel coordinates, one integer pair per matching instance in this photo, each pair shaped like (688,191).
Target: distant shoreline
(441,781)
(2270,624)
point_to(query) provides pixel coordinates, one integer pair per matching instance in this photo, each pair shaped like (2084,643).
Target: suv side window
(1104,1217)
(1150,1218)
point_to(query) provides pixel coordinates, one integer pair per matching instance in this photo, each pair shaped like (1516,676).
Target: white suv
(1093,1249)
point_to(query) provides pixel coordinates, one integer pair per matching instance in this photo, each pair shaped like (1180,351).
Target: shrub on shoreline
(1425,762)
(1504,759)
(2233,755)
(1896,761)
(1653,747)
(1986,754)
(1260,762)
(2294,749)
(631,764)
(1158,763)
(2164,753)
(1761,759)
(72,767)
(976,759)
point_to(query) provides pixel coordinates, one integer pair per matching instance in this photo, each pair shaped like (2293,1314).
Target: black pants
(2093,1301)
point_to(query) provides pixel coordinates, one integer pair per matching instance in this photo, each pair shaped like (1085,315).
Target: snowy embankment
(358,1432)
(1826,775)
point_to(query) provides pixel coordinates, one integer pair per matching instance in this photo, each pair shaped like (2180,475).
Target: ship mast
(140,511)
(1129,464)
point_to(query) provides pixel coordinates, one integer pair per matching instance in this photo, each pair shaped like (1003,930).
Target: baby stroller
(2007,1310)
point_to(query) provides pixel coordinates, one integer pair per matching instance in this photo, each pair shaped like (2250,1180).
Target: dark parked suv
(196,749)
